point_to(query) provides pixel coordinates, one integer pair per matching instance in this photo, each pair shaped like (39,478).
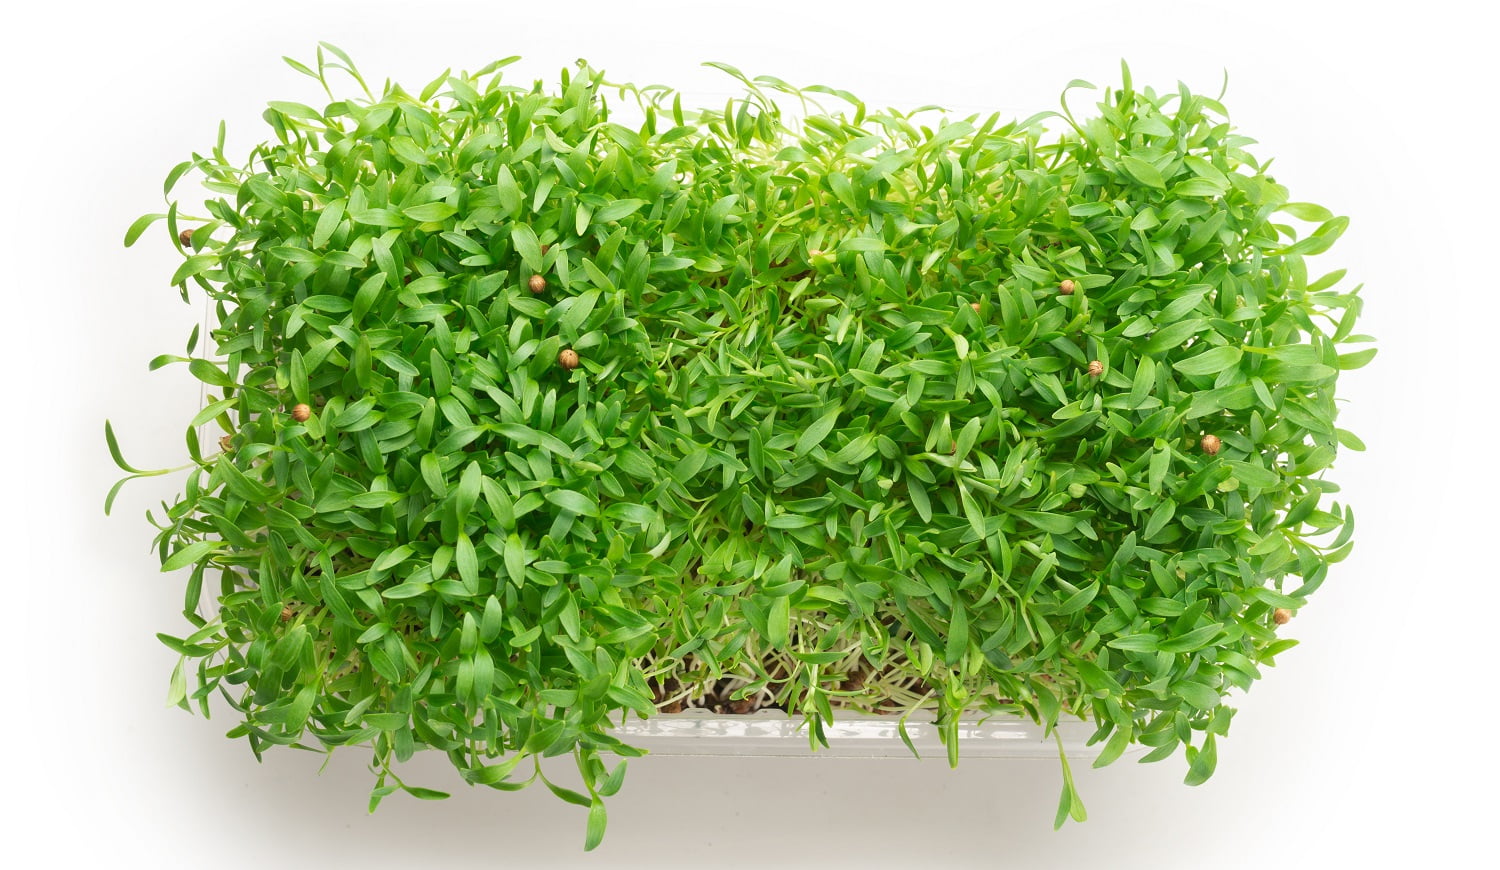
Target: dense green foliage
(970,417)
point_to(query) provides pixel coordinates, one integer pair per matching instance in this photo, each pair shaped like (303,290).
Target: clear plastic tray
(771,733)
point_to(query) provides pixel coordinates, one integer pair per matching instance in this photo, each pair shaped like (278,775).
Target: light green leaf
(1142,171)
(575,502)
(1210,362)
(189,555)
(525,240)
(193,266)
(1357,359)
(430,212)
(594,833)
(328,222)
(140,226)
(1307,211)
(618,209)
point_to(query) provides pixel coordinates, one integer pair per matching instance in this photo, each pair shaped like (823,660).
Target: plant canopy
(534,419)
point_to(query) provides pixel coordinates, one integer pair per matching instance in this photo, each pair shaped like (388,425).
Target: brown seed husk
(1067,287)
(1282,616)
(301,413)
(568,359)
(1210,444)
(1096,368)
(537,283)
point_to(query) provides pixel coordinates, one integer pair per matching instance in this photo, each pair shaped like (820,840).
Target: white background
(1371,745)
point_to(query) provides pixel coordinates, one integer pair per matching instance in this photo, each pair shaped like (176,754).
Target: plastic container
(771,733)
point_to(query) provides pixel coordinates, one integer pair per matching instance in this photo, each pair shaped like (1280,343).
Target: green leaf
(1119,741)
(778,623)
(515,560)
(1078,600)
(1307,211)
(1053,523)
(213,410)
(432,474)
(618,209)
(1280,372)
(958,636)
(508,191)
(467,492)
(790,521)
(182,647)
(582,305)
(430,212)
(194,265)
(1201,762)
(334,598)
(1322,238)
(328,222)
(1142,171)
(1143,382)
(525,240)
(177,690)
(971,510)
(188,555)
(466,560)
(410,589)
(1358,359)
(408,152)
(1210,362)
(919,500)
(141,224)
(1254,475)
(573,502)
(180,170)
(567,794)
(1069,804)
(392,557)
(1196,694)
(1349,439)
(210,374)
(1160,517)
(814,434)
(114,450)
(296,110)
(594,834)
(1193,640)
(1135,643)
(490,624)
(862,244)
(378,217)
(373,633)
(616,778)
(1173,335)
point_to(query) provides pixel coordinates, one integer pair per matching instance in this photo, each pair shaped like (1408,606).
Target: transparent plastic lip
(772,734)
